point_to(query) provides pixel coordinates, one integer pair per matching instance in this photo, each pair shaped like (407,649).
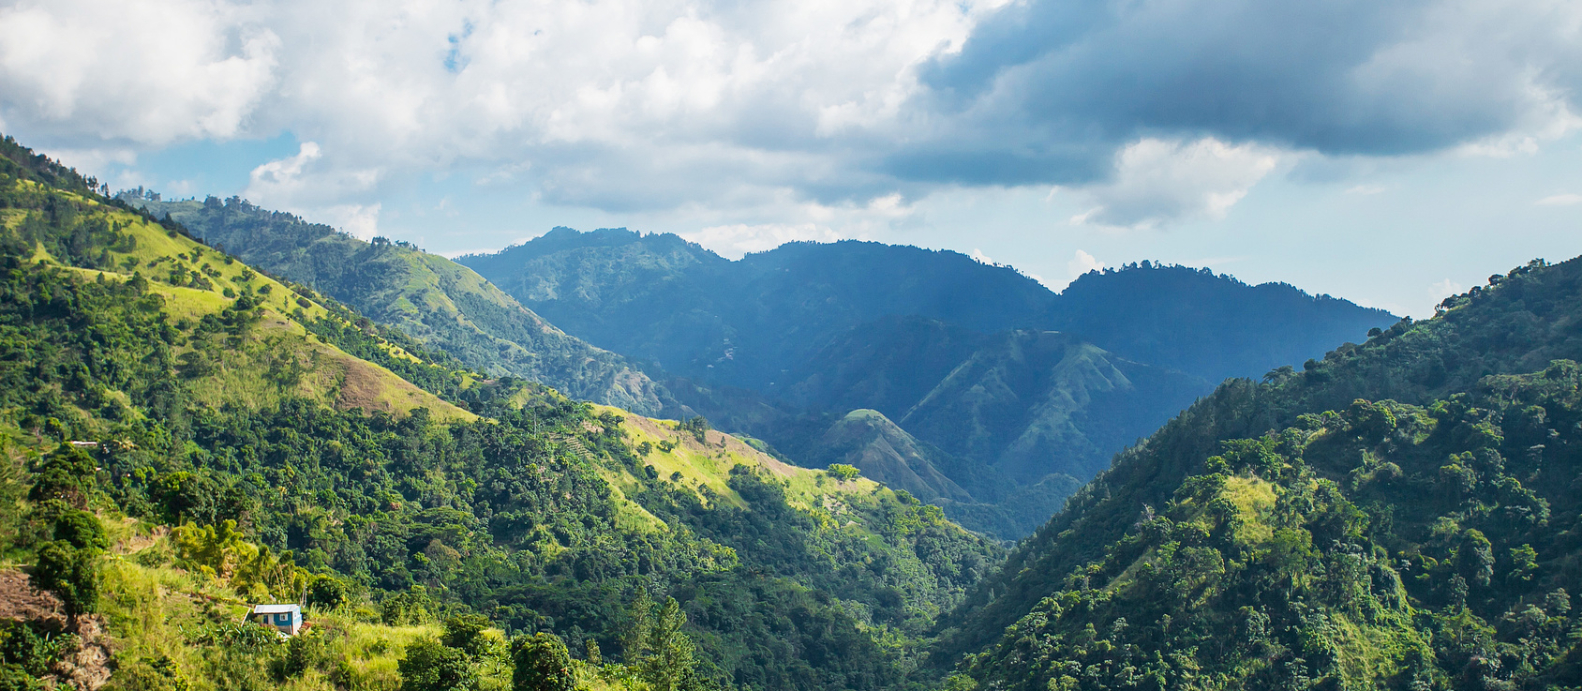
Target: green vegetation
(176,448)
(1398,515)
(957,353)
(440,304)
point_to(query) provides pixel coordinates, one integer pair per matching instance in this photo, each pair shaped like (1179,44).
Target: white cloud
(981,258)
(144,71)
(292,184)
(1365,190)
(656,105)
(1560,200)
(1158,182)
(1442,289)
(1081,263)
(361,221)
(737,239)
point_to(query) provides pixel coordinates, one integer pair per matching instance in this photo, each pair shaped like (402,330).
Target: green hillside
(444,305)
(1400,514)
(182,434)
(868,440)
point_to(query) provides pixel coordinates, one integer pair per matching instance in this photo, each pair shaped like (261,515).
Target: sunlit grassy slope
(440,303)
(327,374)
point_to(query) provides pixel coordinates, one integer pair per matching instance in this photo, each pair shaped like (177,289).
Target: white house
(285,618)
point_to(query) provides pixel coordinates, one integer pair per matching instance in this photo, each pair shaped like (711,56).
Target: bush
(541,663)
(70,573)
(844,472)
(22,646)
(429,665)
(327,592)
(15,678)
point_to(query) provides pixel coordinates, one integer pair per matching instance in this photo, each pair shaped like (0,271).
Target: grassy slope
(442,304)
(333,377)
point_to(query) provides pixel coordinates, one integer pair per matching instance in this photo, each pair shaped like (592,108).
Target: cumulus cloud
(296,184)
(627,105)
(1158,181)
(1081,263)
(738,239)
(143,71)
(1038,79)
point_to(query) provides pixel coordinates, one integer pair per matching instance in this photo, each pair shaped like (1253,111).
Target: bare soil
(90,665)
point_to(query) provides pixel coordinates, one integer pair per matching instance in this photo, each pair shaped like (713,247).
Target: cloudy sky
(1389,152)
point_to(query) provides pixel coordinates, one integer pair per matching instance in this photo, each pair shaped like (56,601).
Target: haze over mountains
(958,354)
(1000,416)
(747,323)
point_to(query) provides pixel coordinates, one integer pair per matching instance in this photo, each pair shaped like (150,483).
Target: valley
(613,460)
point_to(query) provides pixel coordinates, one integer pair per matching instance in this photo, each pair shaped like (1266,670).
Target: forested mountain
(1212,326)
(958,354)
(1398,514)
(443,305)
(184,435)
(749,323)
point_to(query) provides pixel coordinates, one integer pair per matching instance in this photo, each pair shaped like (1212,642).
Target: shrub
(541,663)
(70,573)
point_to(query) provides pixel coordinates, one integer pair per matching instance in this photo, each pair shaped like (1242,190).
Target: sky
(1387,152)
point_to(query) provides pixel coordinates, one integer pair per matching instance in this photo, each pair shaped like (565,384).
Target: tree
(671,661)
(639,624)
(464,632)
(429,665)
(541,663)
(81,529)
(327,592)
(844,472)
(66,475)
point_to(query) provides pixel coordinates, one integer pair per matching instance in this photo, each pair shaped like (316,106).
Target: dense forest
(1399,514)
(185,434)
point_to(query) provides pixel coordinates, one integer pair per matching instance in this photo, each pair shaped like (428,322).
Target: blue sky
(1385,152)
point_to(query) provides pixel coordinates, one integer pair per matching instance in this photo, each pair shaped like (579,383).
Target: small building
(287,619)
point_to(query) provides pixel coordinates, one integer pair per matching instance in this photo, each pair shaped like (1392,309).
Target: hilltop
(746,323)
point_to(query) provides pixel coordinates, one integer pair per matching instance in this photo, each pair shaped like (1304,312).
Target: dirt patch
(20,601)
(90,665)
(361,388)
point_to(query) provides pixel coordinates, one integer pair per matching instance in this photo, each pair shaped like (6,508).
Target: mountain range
(1008,382)
(185,433)
(781,345)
